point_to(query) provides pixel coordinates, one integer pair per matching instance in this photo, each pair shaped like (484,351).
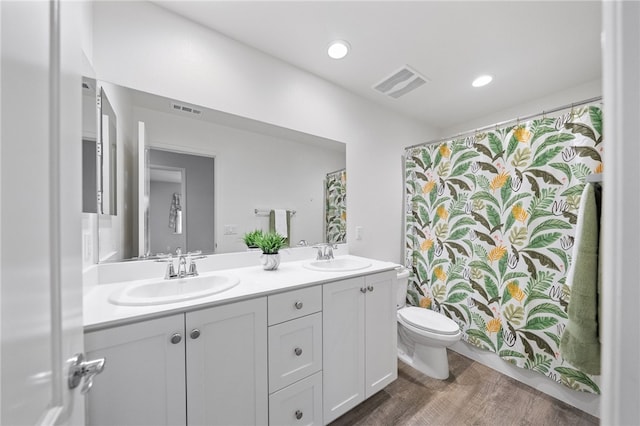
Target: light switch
(358,232)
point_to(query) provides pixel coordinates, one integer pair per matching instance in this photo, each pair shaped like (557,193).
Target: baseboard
(587,402)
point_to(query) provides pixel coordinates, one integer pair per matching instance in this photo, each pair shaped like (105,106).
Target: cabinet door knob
(298,305)
(370,288)
(176,338)
(363,289)
(298,414)
(298,351)
(195,333)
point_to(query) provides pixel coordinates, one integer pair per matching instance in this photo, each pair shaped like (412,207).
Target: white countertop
(99,313)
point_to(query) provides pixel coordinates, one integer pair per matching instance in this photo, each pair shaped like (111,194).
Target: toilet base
(430,361)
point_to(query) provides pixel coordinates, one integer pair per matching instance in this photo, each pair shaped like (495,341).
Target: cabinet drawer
(295,350)
(298,404)
(294,304)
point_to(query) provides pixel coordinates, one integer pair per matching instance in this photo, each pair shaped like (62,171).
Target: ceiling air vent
(400,82)
(187,109)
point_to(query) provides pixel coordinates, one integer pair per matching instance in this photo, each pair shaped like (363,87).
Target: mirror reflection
(181,206)
(198,179)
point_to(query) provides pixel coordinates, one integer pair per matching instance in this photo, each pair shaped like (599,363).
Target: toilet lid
(429,320)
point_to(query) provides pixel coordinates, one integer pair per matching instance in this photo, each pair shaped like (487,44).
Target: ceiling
(532,49)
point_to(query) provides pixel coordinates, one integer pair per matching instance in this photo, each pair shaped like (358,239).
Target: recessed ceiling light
(483,80)
(338,49)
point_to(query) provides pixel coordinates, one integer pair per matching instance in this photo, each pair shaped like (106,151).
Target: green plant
(251,238)
(271,242)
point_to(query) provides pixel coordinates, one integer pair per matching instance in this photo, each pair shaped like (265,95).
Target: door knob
(298,414)
(298,351)
(195,333)
(298,305)
(80,370)
(370,288)
(363,289)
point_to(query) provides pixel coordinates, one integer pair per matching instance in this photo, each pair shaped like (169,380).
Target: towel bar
(266,212)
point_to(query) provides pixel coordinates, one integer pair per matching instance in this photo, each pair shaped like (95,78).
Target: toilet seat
(428,320)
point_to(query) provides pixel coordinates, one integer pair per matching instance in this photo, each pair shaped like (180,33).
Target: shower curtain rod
(502,123)
(336,171)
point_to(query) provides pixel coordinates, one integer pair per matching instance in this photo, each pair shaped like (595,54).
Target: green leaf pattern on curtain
(336,207)
(490,230)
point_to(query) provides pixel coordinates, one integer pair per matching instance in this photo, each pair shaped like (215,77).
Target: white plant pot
(270,262)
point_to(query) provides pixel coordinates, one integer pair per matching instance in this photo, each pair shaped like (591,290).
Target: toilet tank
(403,282)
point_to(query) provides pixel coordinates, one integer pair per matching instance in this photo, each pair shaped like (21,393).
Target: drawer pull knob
(176,338)
(298,305)
(195,333)
(298,351)
(298,414)
(370,288)
(363,289)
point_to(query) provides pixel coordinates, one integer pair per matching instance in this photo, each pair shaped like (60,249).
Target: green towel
(580,343)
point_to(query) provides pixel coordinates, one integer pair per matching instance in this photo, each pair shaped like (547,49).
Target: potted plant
(270,243)
(251,238)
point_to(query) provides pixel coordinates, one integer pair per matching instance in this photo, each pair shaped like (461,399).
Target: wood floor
(472,395)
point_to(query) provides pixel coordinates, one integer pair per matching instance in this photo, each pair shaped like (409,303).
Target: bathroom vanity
(300,345)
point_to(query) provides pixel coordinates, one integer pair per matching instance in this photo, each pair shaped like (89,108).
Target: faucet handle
(171,272)
(193,269)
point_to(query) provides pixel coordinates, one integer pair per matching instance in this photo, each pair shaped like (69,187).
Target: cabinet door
(227,364)
(343,346)
(143,382)
(381,332)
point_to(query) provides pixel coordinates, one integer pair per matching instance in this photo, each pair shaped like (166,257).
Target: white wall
(584,401)
(621,202)
(167,55)
(565,97)
(253,171)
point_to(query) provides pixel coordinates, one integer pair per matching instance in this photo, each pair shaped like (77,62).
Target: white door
(143,191)
(343,310)
(40,252)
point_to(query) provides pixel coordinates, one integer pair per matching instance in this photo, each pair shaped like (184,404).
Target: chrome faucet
(325,251)
(183,261)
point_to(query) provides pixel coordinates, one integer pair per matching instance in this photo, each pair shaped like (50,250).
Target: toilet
(423,334)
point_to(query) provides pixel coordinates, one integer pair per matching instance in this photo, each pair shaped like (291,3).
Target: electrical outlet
(230,229)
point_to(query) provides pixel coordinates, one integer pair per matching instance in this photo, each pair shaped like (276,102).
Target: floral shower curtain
(490,229)
(336,207)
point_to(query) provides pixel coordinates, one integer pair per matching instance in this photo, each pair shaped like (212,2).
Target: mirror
(165,202)
(99,151)
(106,151)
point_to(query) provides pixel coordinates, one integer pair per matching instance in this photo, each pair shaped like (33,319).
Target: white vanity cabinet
(295,357)
(359,340)
(202,367)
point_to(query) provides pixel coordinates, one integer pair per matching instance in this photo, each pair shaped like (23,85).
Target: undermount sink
(171,291)
(337,265)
